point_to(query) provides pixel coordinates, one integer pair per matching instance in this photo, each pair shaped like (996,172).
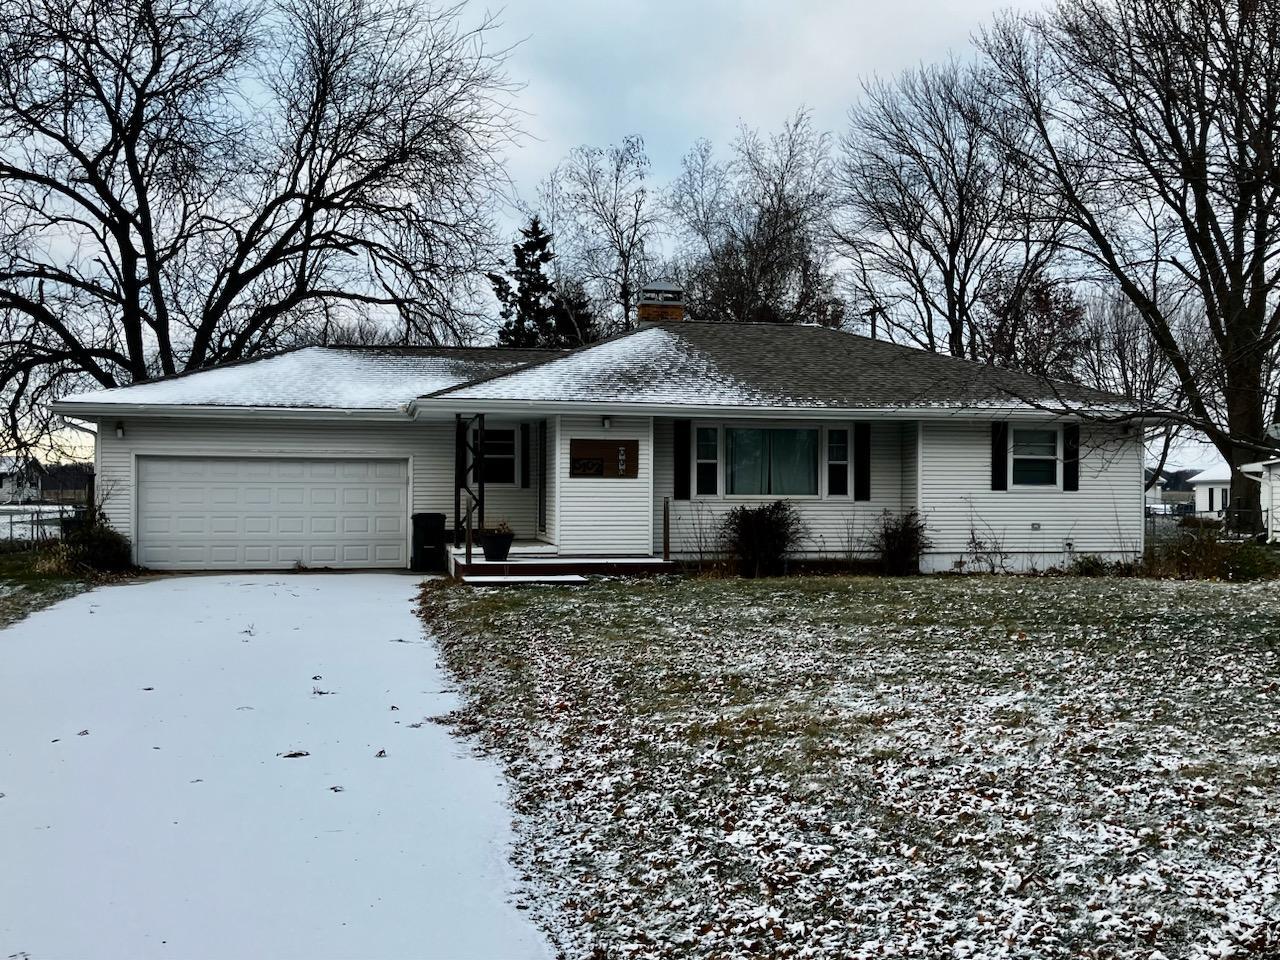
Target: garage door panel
(224,513)
(389,526)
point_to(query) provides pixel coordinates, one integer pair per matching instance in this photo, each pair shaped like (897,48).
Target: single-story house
(633,447)
(1213,490)
(19,480)
(1155,490)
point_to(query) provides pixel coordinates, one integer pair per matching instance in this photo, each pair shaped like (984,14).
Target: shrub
(1250,561)
(94,548)
(1192,522)
(759,538)
(898,541)
(1088,565)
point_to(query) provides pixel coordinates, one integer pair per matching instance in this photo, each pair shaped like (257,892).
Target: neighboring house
(20,480)
(1155,490)
(1212,490)
(319,456)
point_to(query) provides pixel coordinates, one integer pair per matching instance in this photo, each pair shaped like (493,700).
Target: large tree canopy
(1154,129)
(185,183)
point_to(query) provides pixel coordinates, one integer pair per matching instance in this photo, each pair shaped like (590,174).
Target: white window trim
(827,463)
(722,468)
(1056,486)
(696,462)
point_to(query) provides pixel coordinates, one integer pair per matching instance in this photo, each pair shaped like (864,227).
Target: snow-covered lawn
(950,767)
(153,802)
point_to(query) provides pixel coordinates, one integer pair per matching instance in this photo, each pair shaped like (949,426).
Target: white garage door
(215,513)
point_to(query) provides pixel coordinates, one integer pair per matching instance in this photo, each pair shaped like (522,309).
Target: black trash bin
(428,543)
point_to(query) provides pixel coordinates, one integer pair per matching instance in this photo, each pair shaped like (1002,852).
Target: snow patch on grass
(991,767)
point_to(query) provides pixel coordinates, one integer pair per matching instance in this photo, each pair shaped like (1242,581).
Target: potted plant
(496,541)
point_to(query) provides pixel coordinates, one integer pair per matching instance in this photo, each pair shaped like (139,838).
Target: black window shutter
(999,456)
(862,461)
(526,475)
(1071,457)
(680,443)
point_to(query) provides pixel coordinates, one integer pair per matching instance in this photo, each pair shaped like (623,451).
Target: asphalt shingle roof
(768,365)
(672,363)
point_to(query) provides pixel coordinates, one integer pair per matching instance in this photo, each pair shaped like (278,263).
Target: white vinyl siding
(835,527)
(1033,526)
(604,516)
(910,466)
(553,486)
(428,443)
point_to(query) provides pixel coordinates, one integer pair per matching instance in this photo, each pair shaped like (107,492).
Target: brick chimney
(660,301)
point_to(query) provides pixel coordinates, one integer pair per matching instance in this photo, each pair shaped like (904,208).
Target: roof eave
(100,411)
(435,405)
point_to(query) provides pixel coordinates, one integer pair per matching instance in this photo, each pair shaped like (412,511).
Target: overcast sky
(673,72)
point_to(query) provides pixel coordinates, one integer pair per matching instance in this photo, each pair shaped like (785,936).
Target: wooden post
(666,529)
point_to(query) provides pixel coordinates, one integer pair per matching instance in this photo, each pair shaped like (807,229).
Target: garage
(225,513)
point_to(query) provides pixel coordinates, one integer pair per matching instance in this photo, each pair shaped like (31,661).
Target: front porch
(532,561)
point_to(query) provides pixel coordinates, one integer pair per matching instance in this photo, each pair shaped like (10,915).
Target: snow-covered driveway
(148,806)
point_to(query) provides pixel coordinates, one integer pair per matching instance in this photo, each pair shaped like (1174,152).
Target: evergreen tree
(534,312)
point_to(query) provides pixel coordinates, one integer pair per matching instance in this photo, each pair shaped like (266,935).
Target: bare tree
(755,229)
(604,211)
(1030,321)
(930,211)
(185,183)
(1155,127)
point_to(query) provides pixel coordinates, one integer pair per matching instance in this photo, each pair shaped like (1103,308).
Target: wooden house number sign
(607,459)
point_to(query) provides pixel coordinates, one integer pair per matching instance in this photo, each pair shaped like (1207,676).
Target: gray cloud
(673,72)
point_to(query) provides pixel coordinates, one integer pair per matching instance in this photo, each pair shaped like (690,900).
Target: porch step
(554,568)
(484,580)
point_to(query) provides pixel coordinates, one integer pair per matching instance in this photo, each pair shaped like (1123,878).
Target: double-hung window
(837,463)
(1034,456)
(707,457)
(499,455)
(771,462)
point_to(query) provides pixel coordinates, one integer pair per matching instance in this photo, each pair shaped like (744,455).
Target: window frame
(720,426)
(828,463)
(695,461)
(514,457)
(1057,458)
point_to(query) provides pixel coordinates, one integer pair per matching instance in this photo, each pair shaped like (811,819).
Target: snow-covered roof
(668,364)
(1218,473)
(348,378)
(766,365)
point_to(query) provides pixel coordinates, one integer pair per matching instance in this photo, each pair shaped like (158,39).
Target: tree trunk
(1245,424)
